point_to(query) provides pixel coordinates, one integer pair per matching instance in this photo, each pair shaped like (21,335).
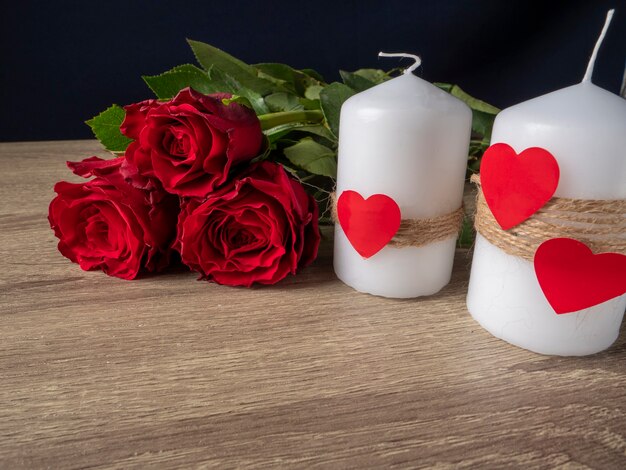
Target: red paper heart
(517,186)
(573,278)
(369,223)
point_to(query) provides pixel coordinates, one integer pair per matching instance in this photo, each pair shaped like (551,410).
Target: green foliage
(483,114)
(363,79)
(242,100)
(229,84)
(290,79)
(331,99)
(312,157)
(281,101)
(299,112)
(313,74)
(106,127)
(466,235)
(312,92)
(275,71)
(244,75)
(276,133)
(472,102)
(168,84)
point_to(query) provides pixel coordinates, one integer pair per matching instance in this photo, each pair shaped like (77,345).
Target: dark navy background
(62,62)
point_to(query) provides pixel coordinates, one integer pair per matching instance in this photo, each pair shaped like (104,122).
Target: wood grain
(167,371)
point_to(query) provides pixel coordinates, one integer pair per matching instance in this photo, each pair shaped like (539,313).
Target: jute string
(419,232)
(600,224)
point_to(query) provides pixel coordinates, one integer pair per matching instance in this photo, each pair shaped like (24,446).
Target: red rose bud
(191,142)
(259,228)
(109,224)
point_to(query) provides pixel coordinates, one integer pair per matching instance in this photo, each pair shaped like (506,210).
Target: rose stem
(286,117)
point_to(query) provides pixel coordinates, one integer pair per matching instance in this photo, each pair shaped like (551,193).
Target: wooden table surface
(168,371)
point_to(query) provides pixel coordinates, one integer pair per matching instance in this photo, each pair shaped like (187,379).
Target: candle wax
(407,139)
(584,127)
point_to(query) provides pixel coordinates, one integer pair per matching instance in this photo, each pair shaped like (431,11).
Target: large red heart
(369,223)
(517,186)
(573,278)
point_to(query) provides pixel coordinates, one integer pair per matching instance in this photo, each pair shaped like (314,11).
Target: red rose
(259,228)
(109,224)
(191,142)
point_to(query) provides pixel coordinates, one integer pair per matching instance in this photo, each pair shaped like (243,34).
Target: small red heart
(573,278)
(516,186)
(369,223)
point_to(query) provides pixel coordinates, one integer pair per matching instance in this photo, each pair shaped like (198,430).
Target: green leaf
(283,102)
(467,234)
(331,98)
(317,130)
(374,75)
(310,104)
(278,132)
(473,165)
(231,85)
(313,74)
(276,71)
(295,80)
(444,86)
(364,78)
(313,157)
(168,84)
(106,127)
(208,56)
(474,103)
(242,100)
(245,74)
(356,82)
(223,81)
(482,123)
(312,92)
(483,114)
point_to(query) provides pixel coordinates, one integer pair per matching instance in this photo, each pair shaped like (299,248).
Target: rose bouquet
(226,167)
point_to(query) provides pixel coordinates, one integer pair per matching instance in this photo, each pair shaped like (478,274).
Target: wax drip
(594,54)
(417,59)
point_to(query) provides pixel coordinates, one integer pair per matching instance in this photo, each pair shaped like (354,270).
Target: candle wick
(592,60)
(417,59)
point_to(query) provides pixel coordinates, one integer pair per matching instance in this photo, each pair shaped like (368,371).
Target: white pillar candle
(407,139)
(584,127)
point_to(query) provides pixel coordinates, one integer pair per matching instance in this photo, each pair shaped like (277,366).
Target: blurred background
(63,62)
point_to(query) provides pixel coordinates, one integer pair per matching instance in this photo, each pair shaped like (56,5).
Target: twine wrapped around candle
(600,224)
(419,232)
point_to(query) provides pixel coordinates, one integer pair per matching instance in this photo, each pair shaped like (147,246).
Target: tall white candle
(407,139)
(584,127)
